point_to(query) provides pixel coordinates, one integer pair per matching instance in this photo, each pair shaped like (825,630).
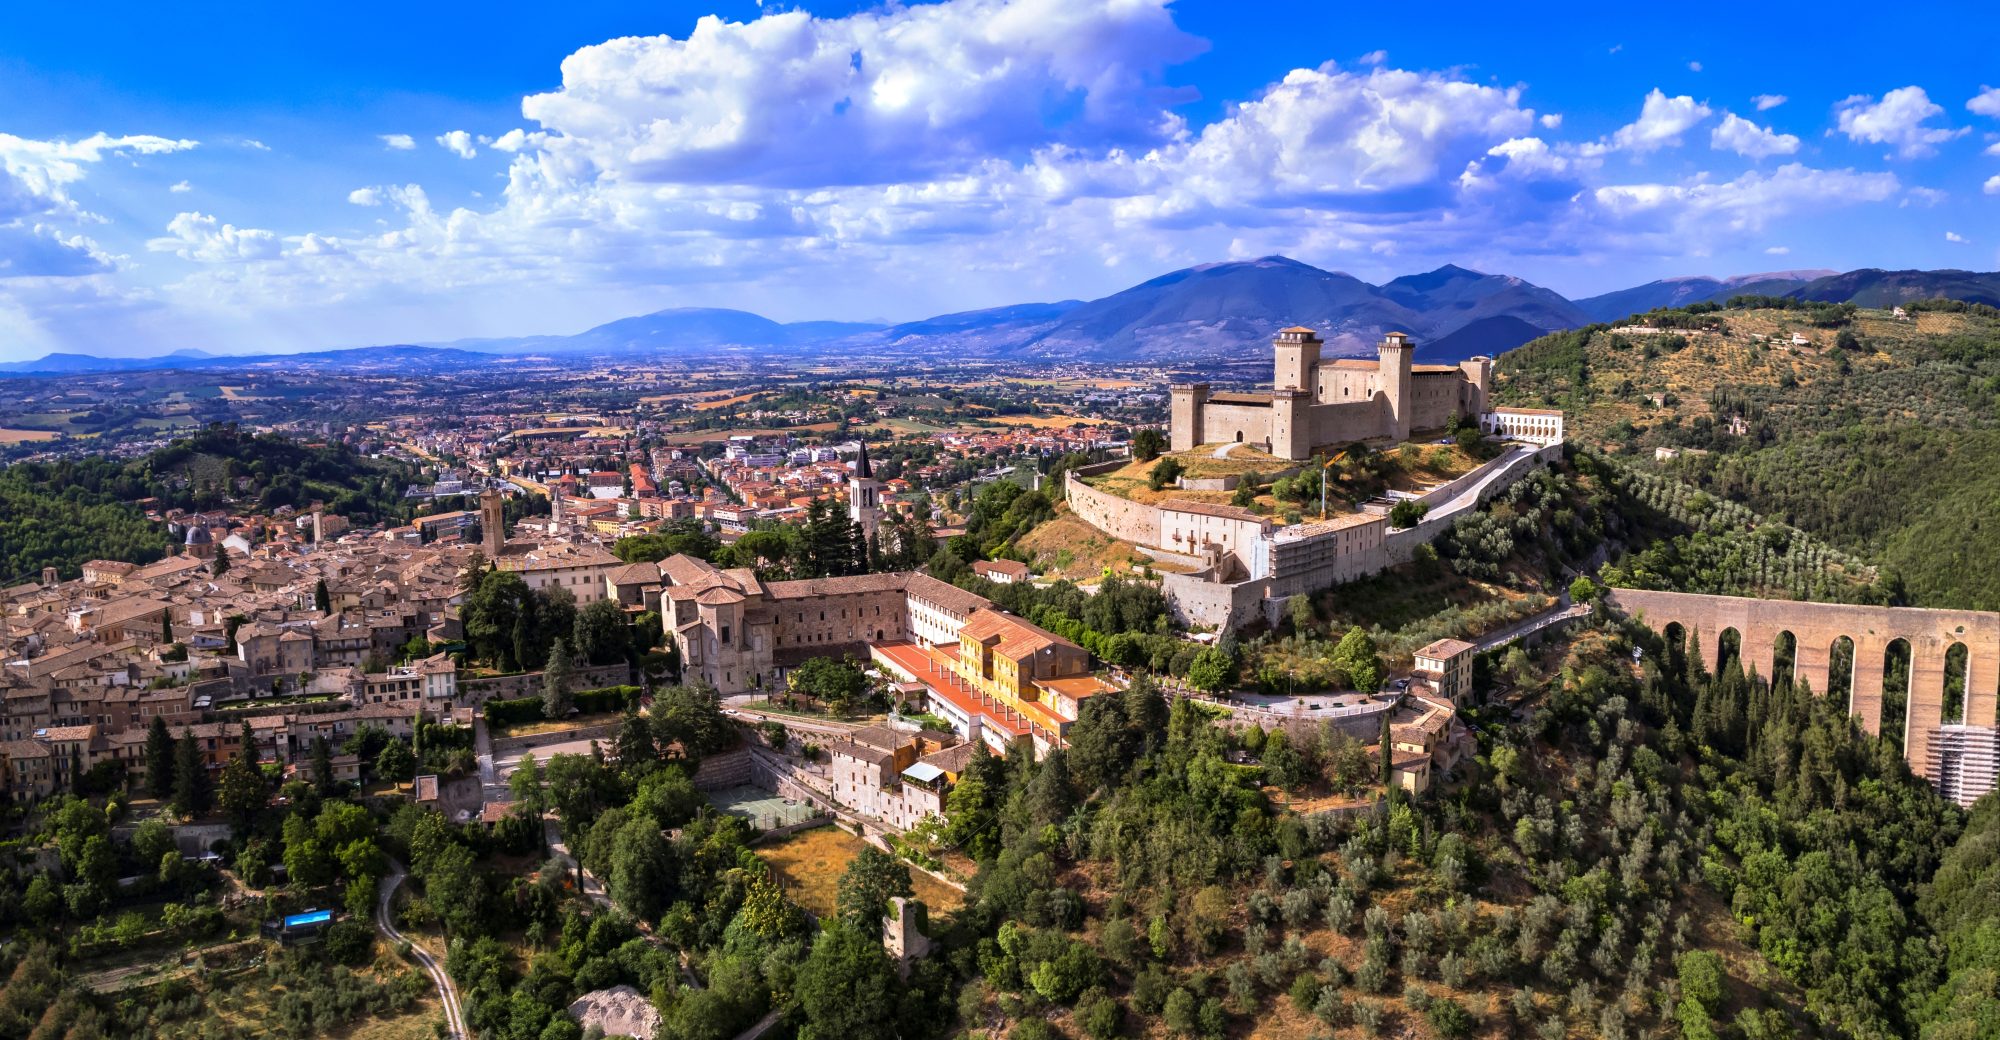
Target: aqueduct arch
(1816,626)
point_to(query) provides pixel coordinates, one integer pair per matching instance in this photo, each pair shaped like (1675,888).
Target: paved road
(737,709)
(1555,615)
(506,762)
(454,1014)
(1468,498)
(482,745)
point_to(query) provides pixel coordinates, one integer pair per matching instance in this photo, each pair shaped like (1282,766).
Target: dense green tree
(835,683)
(243,791)
(847,988)
(872,877)
(396,763)
(602,635)
(1212,670)
(642,877)
(1148,443)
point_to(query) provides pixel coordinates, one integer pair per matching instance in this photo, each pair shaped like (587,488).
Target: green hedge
(523,710)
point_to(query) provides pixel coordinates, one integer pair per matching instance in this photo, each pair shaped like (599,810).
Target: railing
(1334,712)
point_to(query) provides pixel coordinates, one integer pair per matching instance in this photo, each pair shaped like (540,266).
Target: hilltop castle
(1315,404)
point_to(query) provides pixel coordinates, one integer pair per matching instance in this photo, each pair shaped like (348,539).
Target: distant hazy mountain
(679,328)
(1214,308)
(350,358)
(973,333)
(1203,311)
(1873,287)
(1679,292)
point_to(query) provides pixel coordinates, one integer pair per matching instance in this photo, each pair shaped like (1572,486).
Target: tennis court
(762,808)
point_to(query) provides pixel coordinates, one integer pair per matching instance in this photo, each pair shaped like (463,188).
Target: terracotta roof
(1444,649)
(1012,637)
(1181,505)
(636,574)
(945,594)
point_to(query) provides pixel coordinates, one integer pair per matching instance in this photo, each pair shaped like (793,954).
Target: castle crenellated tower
(1186,420)
(1393,361)
(1296,356)
(492,523)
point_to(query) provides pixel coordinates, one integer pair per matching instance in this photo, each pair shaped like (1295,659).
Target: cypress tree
(322,765)
(159,759)
(191,791)
(1388,765)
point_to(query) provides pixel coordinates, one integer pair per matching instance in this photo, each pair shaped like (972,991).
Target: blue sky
(282,177)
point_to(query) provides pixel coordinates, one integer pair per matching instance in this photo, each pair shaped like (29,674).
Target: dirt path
(454,1014)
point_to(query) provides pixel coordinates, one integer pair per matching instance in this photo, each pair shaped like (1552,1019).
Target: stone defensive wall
(1118,517)
(1399,545)
(1294,560)
(1814,629)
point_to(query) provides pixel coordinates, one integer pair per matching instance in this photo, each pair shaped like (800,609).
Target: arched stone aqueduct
(1816,627)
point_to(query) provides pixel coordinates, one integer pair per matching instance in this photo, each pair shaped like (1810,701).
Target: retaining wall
(603,732)
(476,692)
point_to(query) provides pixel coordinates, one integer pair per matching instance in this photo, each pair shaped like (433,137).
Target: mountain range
(1206,311)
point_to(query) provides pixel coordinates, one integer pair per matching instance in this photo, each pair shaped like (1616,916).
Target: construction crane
(1330,463)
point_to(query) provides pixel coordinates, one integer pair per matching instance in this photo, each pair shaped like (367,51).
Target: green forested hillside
(62,514)
(1879,436)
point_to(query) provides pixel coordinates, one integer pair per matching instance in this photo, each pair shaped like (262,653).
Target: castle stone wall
(1118,517)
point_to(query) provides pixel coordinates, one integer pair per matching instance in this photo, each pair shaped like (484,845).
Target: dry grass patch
(809,864)
(1066,547)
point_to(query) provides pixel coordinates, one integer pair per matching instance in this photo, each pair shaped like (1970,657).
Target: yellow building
(1028,668)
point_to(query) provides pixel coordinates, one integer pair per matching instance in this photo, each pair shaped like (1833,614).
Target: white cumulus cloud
(1953,236)
(457,142)
(203,238)
(180,187)
(1986,102)
(1778,251)
(1767,102)
(1740,135)
(876,97)
(1662,120)
(1992,185)
(1749,202)
(1899,119)
(36,204)
(398,142)
(365,197)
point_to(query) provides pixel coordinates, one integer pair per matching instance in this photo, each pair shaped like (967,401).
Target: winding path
(454,1015)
